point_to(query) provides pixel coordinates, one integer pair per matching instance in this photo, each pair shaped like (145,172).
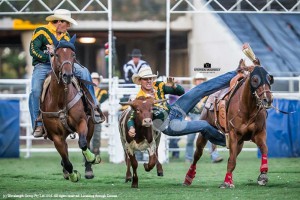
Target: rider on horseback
(41,47)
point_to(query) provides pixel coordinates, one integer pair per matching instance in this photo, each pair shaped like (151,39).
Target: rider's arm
(130,122)
(175,90)
(38,47)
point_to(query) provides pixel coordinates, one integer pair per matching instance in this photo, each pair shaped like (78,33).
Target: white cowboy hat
(96,76)
(145,72)
(61,14)
(199,76)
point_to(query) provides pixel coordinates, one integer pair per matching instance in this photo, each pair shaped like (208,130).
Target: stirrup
(97,119)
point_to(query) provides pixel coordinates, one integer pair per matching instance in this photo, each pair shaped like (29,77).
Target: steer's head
(143,109)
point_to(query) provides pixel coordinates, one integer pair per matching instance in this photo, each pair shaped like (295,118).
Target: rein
(284,112)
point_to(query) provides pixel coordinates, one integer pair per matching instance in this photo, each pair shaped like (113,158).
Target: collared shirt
(42,37)
(130,68)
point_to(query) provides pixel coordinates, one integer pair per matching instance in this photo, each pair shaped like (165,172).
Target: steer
(146,137)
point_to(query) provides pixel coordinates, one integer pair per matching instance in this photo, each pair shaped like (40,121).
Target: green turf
(40,177)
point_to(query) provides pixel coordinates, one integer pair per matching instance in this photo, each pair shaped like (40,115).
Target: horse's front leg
(190,175)
(83,144)
(134,165)
(61,147)
(89,174)
(233,150)
(260,140)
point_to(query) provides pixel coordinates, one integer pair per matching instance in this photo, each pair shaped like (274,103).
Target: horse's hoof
(262,179)
(75,176)
(97,160)
(226,185)
(135,186)
(89,174)
(160,173)
(127,179)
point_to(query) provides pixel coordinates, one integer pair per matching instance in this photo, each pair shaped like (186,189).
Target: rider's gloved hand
(131,131)
(171,82)
(50,49)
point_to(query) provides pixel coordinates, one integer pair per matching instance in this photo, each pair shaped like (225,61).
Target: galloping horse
(63,110)
(246,120)
(146,137)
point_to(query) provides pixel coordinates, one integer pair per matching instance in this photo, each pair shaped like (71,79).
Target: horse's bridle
(262,78)
(60,66)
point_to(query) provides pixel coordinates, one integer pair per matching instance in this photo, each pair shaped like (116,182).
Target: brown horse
(146,137)
(63,110)
(246,120)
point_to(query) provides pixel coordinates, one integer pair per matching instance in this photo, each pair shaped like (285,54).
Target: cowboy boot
(38,129)
(97,115)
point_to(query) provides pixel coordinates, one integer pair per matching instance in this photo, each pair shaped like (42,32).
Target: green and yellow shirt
(160,111)
(40,38)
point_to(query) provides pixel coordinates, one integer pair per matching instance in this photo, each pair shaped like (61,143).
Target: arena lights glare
(87,40)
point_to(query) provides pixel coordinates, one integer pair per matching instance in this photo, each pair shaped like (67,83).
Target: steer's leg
(134,165)
(152,157)
(128,176)
(159,169)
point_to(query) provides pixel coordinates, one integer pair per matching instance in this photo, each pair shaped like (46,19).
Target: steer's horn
(129,103)
(159,101)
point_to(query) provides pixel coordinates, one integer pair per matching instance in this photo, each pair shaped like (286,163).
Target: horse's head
(64,58)
(143,109)
(260,85)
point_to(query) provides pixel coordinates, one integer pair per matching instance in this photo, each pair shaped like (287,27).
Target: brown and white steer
(146,137)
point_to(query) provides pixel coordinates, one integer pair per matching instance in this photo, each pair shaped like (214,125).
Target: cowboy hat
(136,53)
(95,75)
(199,76)
(61,14)
(145,72)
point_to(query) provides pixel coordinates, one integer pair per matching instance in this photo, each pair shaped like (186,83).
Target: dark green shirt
(40,38)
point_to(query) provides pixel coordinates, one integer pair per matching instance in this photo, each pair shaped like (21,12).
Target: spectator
(195,115)
(134,65)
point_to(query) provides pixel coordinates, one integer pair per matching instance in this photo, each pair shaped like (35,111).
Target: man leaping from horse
(171,119)
(41,47)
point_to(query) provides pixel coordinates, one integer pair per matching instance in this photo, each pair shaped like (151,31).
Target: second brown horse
(246,120)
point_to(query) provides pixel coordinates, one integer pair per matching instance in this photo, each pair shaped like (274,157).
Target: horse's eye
(255,81)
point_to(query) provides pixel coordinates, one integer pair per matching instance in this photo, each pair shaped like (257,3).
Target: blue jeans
(39,74)
(177,125)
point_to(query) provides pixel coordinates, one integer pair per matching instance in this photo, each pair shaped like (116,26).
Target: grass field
(39,177)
